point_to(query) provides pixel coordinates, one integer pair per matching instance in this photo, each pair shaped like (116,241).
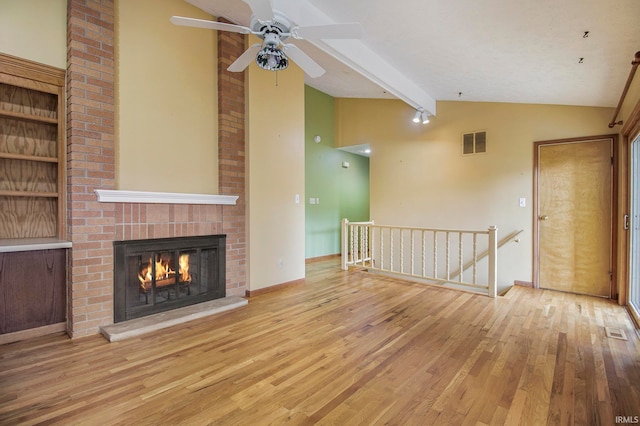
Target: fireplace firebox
(157,275)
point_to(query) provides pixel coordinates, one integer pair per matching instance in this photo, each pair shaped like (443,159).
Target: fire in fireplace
(165,274)
(157,275)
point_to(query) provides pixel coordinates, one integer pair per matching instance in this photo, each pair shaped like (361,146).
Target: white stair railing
(424,253)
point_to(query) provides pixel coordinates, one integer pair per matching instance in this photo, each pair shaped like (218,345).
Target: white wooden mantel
(121,196)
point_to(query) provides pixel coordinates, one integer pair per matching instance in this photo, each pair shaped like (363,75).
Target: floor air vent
(615,333)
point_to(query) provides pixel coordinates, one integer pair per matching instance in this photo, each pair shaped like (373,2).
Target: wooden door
(574,215)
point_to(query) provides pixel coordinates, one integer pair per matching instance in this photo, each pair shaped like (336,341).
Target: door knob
(543,217)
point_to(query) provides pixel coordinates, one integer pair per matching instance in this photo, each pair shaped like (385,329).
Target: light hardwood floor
(344,348)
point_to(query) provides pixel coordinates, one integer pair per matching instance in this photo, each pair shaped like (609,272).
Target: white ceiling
(420,51)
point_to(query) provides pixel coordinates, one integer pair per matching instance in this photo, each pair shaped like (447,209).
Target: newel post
(493,261)
(345,243)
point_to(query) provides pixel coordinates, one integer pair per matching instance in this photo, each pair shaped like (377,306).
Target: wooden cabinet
(32,289)
(33,252)
(32,166)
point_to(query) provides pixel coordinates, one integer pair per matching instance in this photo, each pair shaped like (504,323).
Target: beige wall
(167,100)
(275,153)
(35,30)
(420,178)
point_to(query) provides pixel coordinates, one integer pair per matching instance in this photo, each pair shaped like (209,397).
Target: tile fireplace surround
(93,224)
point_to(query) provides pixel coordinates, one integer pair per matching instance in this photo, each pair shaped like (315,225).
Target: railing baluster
(381,248)
(362,245)
(435,254)
(354,242)
(371,247)
(391,249)
(460,259)
(448,257)
(493,261)
(401,251)
(369,243)
(351,245)
(354,239)
(412,252)
(475,258)
(343,243)
(424,254)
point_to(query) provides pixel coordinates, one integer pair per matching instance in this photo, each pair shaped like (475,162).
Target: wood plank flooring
(344,348)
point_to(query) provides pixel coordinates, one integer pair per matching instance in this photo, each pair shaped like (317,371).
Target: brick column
(90,163)
(231,158)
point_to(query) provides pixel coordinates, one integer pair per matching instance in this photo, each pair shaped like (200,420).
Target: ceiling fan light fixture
(271,58)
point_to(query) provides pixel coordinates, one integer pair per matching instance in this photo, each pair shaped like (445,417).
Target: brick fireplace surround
(92,225)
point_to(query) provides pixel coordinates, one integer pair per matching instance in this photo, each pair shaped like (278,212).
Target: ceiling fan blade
(333,31)
(304,61)
(262,9)
(211,25)
(245,59)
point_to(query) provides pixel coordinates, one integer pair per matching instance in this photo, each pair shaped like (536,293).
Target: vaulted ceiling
(568,52)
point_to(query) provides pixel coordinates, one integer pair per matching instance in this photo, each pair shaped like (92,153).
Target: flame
(184,268)
(163,270)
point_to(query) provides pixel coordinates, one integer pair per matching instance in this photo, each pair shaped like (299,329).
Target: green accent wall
(343,192)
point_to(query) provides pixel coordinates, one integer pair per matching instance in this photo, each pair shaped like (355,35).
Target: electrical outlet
(523,202)
(280,264)
(312,200)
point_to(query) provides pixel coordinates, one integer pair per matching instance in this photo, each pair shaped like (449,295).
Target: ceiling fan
(273,27)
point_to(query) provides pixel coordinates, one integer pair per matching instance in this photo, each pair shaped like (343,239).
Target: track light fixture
(421,116)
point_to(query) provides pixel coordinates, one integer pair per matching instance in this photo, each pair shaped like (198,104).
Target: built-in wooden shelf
(32,150)
(28,194)
(28,157)
(30,244)
(29,117)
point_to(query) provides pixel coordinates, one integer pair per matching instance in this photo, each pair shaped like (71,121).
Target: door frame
(631,260)
(614,206)
(630,131)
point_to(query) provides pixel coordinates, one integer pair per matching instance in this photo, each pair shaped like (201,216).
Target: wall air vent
(474,143)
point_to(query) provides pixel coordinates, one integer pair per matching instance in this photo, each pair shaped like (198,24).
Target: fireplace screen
(157,275)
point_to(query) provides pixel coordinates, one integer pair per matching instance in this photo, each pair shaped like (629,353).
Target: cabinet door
(32,289)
